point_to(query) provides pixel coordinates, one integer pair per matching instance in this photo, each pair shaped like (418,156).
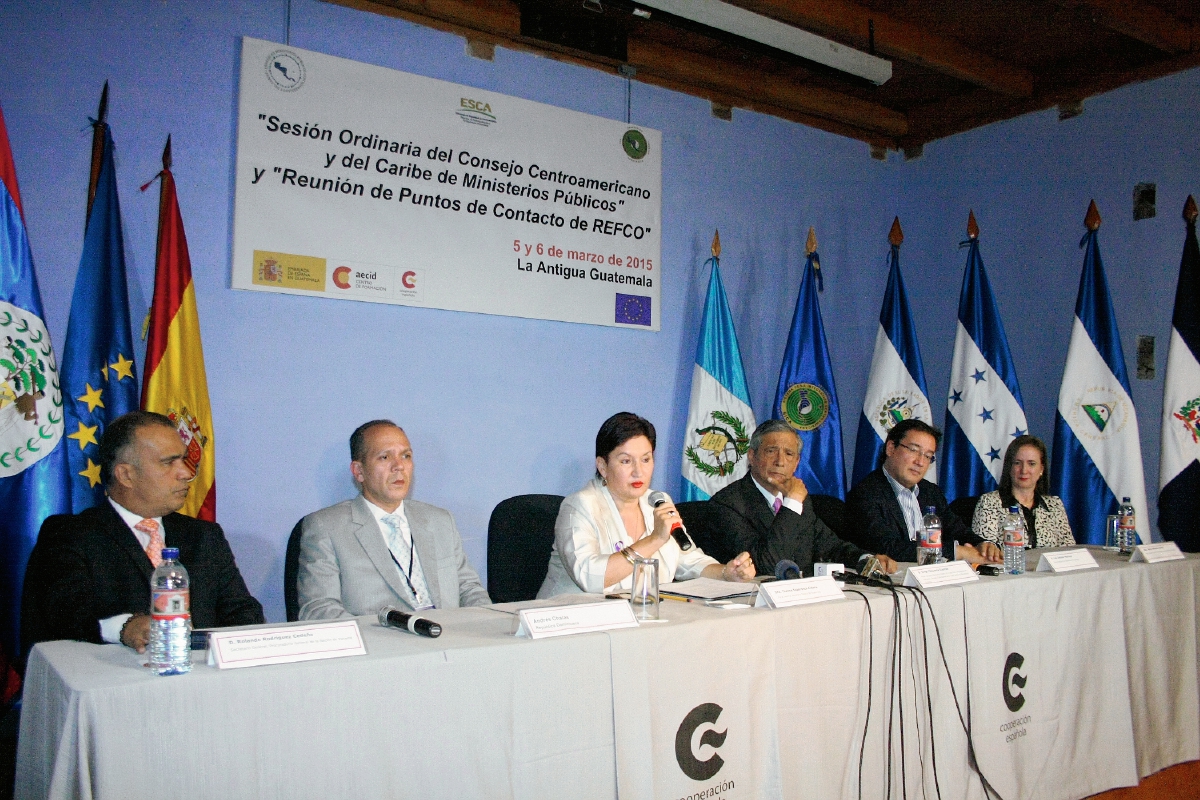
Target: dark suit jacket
(744,521)
(88,567)
(876,517)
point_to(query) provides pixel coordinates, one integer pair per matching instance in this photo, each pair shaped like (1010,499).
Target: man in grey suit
(381,549)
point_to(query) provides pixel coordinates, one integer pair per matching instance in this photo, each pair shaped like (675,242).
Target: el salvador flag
(984,410)
(806,397)
(896,384)
(1097,452)
(33,466)
(720,420)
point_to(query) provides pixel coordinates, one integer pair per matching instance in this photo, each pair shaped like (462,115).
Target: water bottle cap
(1014,509)
(170,553)
(1125,500)
(930,509)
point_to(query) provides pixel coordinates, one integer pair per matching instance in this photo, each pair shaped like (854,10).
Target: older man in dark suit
(89,574)
(765,513)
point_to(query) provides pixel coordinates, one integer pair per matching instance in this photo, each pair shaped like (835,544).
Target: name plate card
(542,623)
(1156,552)
(1067,560)
(283,645)
(799,592)
(931,576)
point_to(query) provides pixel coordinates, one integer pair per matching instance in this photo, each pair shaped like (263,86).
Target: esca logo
(693,767)
(1014,678)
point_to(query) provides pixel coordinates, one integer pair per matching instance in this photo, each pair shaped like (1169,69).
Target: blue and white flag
(1097,452)
(33,468)
(720,419)
(896,384)
(984,410)
(98,374)
(806,397)
(1179,459)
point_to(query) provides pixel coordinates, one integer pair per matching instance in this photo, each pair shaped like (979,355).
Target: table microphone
(679,532)
(392,617)
(786,570)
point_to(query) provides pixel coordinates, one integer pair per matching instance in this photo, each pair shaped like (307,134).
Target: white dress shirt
(415,571)
(110,628)
(788,502)
(910,504)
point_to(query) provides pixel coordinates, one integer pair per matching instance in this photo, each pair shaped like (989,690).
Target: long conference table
(1069,684)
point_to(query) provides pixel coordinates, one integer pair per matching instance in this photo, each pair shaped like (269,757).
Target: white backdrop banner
(363,183)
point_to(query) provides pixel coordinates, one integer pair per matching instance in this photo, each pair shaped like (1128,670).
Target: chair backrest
(832,511)
(520,537)
(699,517)
(291,567)
(964,508)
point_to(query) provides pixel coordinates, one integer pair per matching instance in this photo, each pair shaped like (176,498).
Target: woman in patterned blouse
(1023,483)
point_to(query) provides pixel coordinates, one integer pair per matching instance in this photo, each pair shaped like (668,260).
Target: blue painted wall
(498,406)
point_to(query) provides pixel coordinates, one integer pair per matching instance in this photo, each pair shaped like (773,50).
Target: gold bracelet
(630,554)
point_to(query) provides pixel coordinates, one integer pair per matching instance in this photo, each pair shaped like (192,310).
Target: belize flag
(806,397)
(33,465)
(896,384)
(1097,452)
(984,410)
(1179,461)
(720,419)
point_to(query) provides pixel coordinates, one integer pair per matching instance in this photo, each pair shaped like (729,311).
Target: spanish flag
(175,383)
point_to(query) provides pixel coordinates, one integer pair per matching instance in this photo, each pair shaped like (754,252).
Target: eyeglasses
(919,453)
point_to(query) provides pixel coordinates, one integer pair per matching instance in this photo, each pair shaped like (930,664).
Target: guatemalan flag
(720,419)
(806,397)
(33,465)
(1097,452)
(1179,464)
(896,385)
(984,411)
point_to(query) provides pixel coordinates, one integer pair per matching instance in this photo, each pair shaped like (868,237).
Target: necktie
(155,548)
(404,554)
(778,504)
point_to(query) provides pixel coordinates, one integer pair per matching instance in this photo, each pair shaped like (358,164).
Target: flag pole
(896,234)
(97,150)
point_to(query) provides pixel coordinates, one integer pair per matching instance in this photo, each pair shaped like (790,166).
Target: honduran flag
(720,420)
(1179,460)
(175,383)
(896,385)
(984,410)
(1097,452)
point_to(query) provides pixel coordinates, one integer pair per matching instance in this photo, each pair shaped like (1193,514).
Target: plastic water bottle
(1012,534)
(170,617)
(1127,537)
(929,550)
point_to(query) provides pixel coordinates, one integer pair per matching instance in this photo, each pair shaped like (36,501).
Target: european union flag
(99,379)
(632,309)
(33,468)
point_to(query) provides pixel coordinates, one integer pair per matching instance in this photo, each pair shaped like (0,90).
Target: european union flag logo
(633,309)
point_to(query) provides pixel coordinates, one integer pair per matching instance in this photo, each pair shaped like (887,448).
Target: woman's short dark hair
(619,429)
(1010,455)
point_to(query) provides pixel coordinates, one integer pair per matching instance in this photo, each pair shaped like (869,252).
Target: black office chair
(699,517)
(832,511)
(291,566)
(520,537)
(964,508)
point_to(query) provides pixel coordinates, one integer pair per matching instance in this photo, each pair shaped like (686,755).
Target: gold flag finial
(972,226)
(1092,220)
(810,246)
(1189,209)
(716,245)
(896,234)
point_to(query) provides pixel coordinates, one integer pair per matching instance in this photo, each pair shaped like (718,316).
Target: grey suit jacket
(346,569)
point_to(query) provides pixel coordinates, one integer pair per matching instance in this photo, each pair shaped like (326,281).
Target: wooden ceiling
(956,64)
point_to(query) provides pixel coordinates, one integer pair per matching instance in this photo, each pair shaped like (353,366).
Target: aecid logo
(692,766)
(409,279)
(341,277)
(1014,699)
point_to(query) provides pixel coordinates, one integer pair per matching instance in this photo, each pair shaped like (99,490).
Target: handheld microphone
(678,532)
(786,570)
(392,617)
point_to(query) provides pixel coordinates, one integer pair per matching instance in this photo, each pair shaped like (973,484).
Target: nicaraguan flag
(32,455)
(720,419)
(806,397)
(1097,453)
(984,410)
(896,384)
(1179,464)
(99,379)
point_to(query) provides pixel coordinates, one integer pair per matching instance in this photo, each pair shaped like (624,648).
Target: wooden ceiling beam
(849,21)
(1144,22)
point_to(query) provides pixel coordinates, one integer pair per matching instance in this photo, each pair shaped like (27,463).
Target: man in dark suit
(765,513)
(886,507)
(89,574)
